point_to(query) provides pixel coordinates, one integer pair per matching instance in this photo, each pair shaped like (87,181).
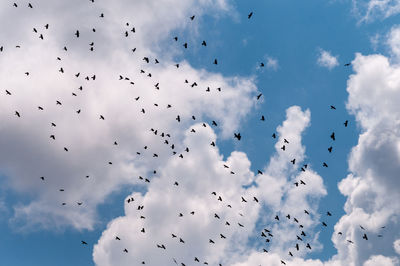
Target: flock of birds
(266,233)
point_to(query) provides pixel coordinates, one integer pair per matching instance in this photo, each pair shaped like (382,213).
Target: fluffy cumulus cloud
(228,206)
(326,59)
(76,88)
(373,198)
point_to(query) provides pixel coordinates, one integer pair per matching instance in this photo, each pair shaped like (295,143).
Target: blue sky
(291,32)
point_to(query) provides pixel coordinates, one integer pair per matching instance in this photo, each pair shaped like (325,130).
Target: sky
(87,124)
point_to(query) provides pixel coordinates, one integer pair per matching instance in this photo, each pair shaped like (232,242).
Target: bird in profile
(333,107)
(83,242)
(237,135)
(347,64)
(330,149)
(17,114)
(77,34)
(333,136)
(250,15)
(259,96)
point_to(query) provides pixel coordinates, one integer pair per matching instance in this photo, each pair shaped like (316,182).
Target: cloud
(200,173)
(272,63)
(370,10)
(326,59)
(373,200)
(29,153)
(393,40)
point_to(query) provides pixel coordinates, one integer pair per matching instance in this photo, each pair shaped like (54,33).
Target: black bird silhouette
(345,123)
(365,237)
(333,136)
(215,62)
(250,15)
(77,34)
(192,17)
(244,200)
(262,118)
(125,250)
(8,93)
(330,149)
(259,96)
(204,43)
(83,242)
(333,107)
(324,165)
(347,64)
(17,114)
(328,213)
(237,135)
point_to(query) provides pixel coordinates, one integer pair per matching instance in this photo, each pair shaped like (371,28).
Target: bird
(77,34)
(347,64)
(125,250)
(333,136)
(346,123)
(8,93)
(83,242)
(324,165)
(250,15)
(330,149)
(204,43)
(17,114)
(237,135)
(215,62)
(333,107)
(259,96)
(365,236)
(192,17)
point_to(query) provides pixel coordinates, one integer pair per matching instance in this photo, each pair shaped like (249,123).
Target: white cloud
(381,260)
(326,59)
(394,42)
(272,63)
(373,200)
(370,10)
(27,151)
(201,172)
(396,246)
